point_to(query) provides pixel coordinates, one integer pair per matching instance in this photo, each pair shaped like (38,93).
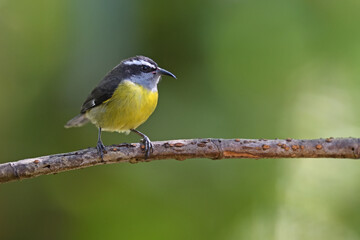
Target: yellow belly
(129,107)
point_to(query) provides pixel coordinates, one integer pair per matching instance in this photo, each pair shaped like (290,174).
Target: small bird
(123,100)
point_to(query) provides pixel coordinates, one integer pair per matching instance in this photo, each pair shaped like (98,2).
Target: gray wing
(102,92)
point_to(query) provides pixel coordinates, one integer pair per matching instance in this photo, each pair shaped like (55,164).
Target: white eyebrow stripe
(139,62)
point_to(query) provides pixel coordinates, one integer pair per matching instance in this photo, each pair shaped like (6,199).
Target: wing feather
(102,92)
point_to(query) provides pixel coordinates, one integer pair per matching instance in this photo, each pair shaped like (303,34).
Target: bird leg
(146,141)
(100,146)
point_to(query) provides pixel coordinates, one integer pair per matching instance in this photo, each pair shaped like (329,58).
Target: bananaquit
(123,100)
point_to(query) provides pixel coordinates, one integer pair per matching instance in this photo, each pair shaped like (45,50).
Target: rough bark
(181,150)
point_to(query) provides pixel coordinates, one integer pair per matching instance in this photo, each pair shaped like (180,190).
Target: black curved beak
(165,72)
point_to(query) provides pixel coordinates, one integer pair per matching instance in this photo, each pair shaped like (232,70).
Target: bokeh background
(248,69)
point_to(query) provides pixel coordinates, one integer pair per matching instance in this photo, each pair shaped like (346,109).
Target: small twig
(181,150)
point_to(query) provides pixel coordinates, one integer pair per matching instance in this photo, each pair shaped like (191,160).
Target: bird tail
(77,121)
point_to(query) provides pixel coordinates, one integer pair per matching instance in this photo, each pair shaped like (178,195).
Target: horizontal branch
(181,150)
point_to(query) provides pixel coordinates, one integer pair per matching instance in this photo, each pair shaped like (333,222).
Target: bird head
(143,71)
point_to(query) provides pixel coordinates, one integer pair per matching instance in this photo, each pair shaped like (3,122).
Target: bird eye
(145,68)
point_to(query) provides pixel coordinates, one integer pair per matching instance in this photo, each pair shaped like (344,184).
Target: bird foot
(148,146)
(101,149)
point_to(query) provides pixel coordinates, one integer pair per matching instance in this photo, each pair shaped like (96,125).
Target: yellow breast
(130,106)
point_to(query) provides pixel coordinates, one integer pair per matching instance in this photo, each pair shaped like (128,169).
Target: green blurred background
(248,69)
